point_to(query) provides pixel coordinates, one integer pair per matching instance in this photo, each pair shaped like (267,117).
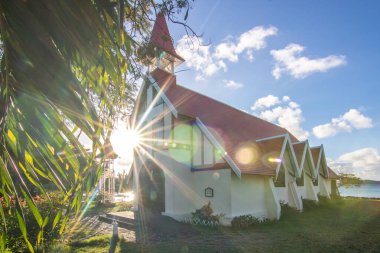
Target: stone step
(123,223)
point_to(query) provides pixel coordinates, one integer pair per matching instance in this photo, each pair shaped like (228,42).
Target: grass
(348,225)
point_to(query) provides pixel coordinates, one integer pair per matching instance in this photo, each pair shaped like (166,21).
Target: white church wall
(271,201)
(220,183)
(316,188)
(294,199)
(322,186)
(301,191)
(282,194)
(328,185)
(248,196)
(179,187)
(309,187)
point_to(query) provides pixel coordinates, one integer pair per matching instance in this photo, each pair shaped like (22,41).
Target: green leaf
(22,228)
(33,208)
(46,220)
(63,224)
(57,218)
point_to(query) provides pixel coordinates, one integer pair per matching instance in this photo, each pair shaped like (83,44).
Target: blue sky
(310,66)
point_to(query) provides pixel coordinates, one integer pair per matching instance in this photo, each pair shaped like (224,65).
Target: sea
(366,190)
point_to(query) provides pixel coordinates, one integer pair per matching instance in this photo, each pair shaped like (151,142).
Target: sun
(124,141)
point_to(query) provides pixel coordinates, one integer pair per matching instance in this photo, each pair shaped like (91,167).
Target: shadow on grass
(342,226)
(113,245)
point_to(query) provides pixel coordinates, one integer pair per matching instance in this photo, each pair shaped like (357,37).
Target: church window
(209,192)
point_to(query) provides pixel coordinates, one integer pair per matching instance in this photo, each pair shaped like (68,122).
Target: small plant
(323,200)
(244,221)
(205,216)
(14,241)
(309,204)
(123,206)
(287,210)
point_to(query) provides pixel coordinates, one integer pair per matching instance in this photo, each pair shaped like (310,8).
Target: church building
(198,150)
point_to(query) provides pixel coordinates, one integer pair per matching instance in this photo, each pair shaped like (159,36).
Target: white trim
(138,99)
(319,159)
(299,142)
(275,199)
(272,137)
(215,142)
(163,96)
(281,156)
(311,160)
(302,165)
(294,156)
(323,158)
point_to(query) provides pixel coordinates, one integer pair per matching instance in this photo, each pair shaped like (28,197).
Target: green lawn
(349,225)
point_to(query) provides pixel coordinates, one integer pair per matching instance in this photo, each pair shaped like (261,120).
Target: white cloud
(364,163)
(231,84)
(226,50)
(255,38)
(289,61)
(199,57)
(283,112)
(265,102)
(353,119)
(208,60)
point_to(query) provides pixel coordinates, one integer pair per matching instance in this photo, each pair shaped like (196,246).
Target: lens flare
(274,160)
(246,154)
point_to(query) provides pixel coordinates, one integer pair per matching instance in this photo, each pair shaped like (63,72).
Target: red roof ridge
(234,108)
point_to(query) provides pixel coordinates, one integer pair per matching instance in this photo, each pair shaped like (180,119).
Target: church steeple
(165,57)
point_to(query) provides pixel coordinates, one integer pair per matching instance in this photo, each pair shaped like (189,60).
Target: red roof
(315,154)
(298,150)
(332,174)
(235,128)
(161,37)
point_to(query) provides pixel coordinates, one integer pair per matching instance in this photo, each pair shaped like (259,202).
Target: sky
(309,66)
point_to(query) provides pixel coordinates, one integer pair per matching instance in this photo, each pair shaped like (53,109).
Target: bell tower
(164,56)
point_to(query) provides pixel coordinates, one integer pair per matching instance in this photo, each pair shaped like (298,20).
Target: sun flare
(124,141)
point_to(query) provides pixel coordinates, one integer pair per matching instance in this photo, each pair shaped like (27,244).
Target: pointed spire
(161,38)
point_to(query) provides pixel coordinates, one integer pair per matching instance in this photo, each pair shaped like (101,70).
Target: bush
(123,206)
(309,204)
(323,200)
(14,241)
(205,216)
(244,221)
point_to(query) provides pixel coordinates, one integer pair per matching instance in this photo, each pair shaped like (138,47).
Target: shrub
(14,241)
(244,221)
(309,204)
(205,216)
(123,206)
(287,211)
(323,200)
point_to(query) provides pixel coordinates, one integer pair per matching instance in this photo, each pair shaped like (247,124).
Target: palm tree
(67,67)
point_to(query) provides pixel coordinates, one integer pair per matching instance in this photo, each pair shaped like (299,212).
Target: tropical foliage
(68,68)
(348,180)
